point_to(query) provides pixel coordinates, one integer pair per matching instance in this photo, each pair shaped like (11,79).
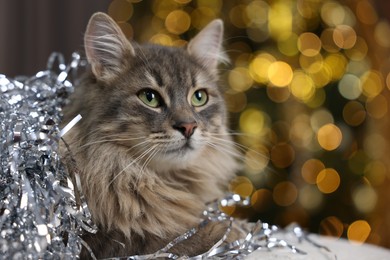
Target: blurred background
(308,88)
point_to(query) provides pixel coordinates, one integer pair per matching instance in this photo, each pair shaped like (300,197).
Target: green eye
(150,98)
(199,98)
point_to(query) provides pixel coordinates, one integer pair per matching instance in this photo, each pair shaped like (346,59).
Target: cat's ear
(206,46)
(106,46)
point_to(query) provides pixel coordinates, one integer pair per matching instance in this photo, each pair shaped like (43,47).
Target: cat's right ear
(106,47)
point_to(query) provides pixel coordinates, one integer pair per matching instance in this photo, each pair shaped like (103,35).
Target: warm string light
(301,84)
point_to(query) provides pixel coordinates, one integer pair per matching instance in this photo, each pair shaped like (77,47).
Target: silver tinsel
(39,214)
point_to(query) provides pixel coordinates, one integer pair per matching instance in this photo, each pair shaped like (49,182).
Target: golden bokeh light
(337,64)
(259,66)
(354,113)
(177,22)
(120,10)
(310,170)
(372,83)
(309,44)
(162,39)
(282,155)
(310,198)
(344,36)
(285,193)
(358,231)
(327,41)
(333,13)
(311,64)
(329,137)
(365,198)
(280,20)
(252,121)
(162,8)
(229,210)
(328,180)
(240,79)
(241,185)
(257,12)
(302,86)
(280,73)
(359,51)
(323,76)
(278,95)
(331,226)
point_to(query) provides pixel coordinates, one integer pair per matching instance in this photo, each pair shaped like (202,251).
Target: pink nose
(187,129)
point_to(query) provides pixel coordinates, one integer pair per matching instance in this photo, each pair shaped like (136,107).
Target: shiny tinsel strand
(39,216)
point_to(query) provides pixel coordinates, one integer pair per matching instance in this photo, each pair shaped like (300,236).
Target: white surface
(340,248)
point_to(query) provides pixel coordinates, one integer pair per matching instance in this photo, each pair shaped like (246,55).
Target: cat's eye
(199,98)
(150,98)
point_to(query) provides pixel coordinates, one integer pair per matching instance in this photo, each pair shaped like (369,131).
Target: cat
(153,144)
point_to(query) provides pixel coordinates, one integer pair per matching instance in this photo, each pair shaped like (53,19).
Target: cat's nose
(187,129)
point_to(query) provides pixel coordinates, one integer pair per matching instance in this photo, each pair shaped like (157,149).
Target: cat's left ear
(106,47)
(206,47)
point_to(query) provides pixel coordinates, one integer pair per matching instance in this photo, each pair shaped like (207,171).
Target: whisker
(228,134)
(146,162)
(225,150)
(143,154)
(238,146)
(224,145)
(111,140)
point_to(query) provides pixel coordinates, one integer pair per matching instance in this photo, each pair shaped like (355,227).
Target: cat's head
(161,103)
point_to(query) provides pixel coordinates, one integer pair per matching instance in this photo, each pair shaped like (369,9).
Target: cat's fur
(144,179)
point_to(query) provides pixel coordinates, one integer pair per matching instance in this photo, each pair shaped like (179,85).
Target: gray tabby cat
(152,147)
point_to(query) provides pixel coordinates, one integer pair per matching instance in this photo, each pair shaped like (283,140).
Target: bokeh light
(120,10)
(328,180)
(308,89)
(364,198)
(329,137)
(285,193)
(280,73)
(359,231)
(331,226)
(177,22)
(309,44)
(282,155)
(310,170)
(310,198)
